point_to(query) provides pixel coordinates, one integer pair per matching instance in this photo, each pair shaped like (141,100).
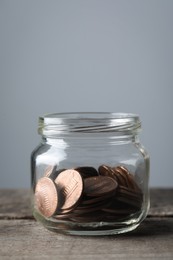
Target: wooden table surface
(21,237)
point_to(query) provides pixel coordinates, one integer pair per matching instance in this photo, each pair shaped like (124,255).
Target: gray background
(59,56)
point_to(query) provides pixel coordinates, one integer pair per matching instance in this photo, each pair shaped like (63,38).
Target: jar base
(107,232)
(88,229)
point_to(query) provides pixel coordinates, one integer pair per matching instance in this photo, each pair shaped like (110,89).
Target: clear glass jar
(90,173)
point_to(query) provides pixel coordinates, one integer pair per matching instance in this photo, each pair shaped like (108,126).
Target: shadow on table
(153,227)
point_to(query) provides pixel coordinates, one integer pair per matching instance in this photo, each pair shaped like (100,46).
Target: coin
(116,218)
(124,169)
(129,201)
(51,172)
(133,183)
(46,198)
(130,193)
(91,200)
(105,170)
(84,194)
(121,176)
(99,186)
(87,171)
(62,217)
(119,208)
(131,180)
(88,217)
(131,198)
(70,187)
(91,207)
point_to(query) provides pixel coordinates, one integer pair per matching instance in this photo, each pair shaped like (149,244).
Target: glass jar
(90,173)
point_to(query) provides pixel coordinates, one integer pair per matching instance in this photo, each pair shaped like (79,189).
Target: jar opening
(87,122)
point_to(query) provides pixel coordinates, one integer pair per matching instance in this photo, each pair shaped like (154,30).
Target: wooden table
(21,237)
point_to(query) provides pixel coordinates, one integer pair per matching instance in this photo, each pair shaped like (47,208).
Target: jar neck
(90,140)
(84,125)
(85,128)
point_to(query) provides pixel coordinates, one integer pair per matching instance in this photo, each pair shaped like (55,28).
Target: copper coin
(46,198)
(131,180)
(124,169)
(129,177)
(88,217)
(130,201)
(130,192)
(99,186)
(91,207)
(92,200)
(51,172)
(116,218)
(121,176)
(87,171)
(129,197)
(62,217)
(70,187)
(119,208)
(119,211)
(105,170)
(133,183)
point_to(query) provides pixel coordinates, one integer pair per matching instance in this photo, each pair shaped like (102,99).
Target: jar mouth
(87,122)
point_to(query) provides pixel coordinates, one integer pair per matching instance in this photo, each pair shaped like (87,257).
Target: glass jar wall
(90,173)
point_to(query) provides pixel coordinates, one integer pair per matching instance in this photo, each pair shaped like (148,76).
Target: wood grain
(21,237)
(26,239)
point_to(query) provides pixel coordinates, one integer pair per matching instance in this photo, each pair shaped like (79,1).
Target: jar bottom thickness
(90,228)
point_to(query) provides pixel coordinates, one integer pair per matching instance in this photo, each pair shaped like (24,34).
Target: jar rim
(90,115)
(87,122)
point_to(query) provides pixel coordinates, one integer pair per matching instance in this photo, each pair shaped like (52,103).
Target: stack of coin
(128,191)
(84,194)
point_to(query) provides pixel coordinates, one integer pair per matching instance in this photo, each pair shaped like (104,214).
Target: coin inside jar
(69,187)
(46,198)
(73,193)
(87,171)
(99,186)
